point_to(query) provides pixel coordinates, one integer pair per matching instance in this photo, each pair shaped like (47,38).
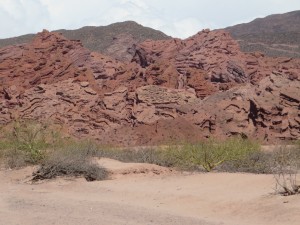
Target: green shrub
(210,154)
(29,137)
(23,143)
(26,142)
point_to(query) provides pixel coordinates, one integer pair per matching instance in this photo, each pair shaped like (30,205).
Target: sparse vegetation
(33,143)
(25,143)
(257,162)
(264,36)
(212,154)
(205,155)
(286,170)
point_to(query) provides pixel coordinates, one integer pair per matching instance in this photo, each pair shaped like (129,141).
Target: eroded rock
(172,90)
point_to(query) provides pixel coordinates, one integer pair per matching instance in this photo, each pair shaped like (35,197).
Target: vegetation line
(32,143)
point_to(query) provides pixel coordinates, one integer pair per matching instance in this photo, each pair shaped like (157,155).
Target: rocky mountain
(114,40)
(170,90)
(274,35)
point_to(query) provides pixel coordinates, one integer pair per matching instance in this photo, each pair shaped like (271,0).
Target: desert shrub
(3,147)
(73,159)
(210,154)
(13,158)
(297,149)
(23,143)
(257,162)
(29,138)
(26,142)
(286,170)
(203,155)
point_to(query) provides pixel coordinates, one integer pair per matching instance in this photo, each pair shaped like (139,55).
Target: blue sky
(178,18)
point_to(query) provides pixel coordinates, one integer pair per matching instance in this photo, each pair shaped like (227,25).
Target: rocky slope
(274,35)
(171,90)
(114,40)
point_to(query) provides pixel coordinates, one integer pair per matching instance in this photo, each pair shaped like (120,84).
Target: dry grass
(286,163)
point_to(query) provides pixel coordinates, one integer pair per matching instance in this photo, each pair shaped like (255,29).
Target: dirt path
(145,194)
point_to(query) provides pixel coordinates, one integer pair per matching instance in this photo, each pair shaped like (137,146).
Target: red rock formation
(173,90)
(268,111)
(207,62)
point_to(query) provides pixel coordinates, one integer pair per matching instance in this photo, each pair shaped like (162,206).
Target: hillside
(171,90)
(274,35)
(114,40)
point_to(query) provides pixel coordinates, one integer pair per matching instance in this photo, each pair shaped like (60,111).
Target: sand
(145,194)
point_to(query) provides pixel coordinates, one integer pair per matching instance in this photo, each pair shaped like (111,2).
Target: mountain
(274,35)
(114,40)
(170,90)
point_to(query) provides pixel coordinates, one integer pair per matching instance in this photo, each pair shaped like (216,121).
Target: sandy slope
(145,194)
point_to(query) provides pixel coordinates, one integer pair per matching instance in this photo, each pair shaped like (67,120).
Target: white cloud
(139,3)
(20,17)
(188,27)
(176,18)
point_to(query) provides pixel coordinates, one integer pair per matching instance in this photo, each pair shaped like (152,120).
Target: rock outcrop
(268,111)
(171,90)
(207,62)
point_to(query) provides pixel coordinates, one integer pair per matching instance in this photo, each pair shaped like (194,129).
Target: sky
(177,18)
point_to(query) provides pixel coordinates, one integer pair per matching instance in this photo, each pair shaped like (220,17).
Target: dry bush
(285,170)
(257,162)
(74,159)
(13,158)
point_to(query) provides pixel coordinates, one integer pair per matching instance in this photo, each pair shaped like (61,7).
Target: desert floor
(145,194)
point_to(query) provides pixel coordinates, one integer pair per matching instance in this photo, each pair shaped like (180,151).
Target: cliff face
(174,89)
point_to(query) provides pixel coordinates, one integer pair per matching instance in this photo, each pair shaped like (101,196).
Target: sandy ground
(145,194)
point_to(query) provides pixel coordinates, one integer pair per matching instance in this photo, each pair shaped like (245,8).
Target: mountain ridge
(274,35)
(114,40)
